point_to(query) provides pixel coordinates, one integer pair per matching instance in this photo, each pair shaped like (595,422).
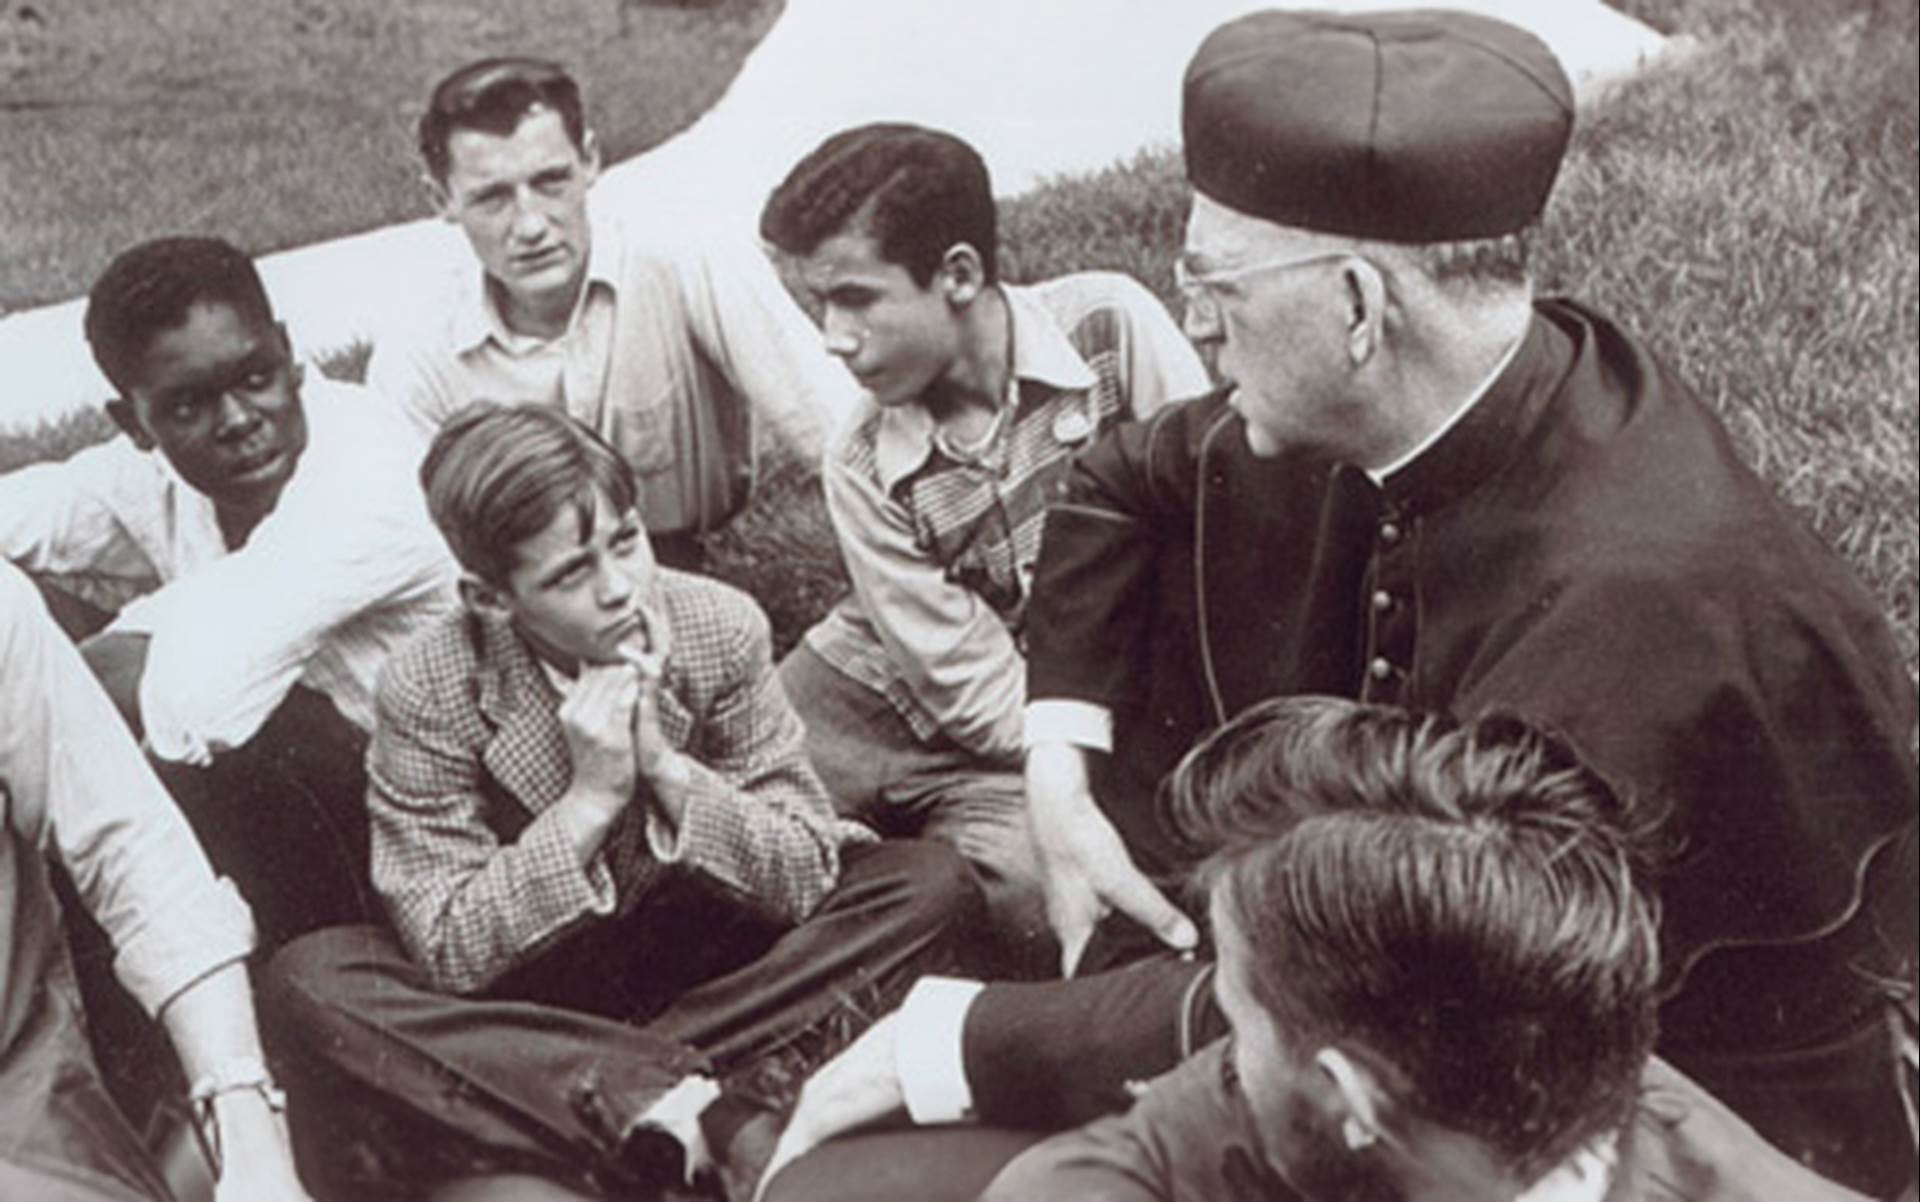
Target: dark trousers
(1041,1056)
(534,1074)
(1054,1054)
(878,771)
(285,817)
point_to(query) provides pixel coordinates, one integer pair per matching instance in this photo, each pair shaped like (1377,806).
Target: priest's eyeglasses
(1201,290)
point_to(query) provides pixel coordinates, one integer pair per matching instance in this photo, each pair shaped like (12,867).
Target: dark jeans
(497,1081)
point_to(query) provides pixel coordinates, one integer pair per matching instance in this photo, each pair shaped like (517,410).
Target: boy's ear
(125,416)
(1356,1098)
(590,154)
(962,274)
(296,370)
(482,598)
(437,193)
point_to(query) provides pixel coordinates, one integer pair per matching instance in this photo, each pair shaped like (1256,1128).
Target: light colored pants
(878,771)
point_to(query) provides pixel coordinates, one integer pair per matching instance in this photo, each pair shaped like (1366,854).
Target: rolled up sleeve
(79,785)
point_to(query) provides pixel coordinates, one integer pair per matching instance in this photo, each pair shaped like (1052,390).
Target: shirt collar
(1586,1176)
(1484,434)
(1042,354)
(476,319)
(561,682)
(1380,474)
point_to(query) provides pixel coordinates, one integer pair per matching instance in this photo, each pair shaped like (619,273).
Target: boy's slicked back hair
(916,191)
(497,475)
(1466,901)
(150,289)
(493,95)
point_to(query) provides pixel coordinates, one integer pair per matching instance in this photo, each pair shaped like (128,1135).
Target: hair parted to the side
(1467,902)
(151,288)
(497,475)
(916,191)
(493,95)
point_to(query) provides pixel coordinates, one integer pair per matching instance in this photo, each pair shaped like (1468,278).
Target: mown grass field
(275,123)
(1752,214)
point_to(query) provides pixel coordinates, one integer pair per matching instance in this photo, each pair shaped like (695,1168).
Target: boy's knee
(942,889)
(310,979)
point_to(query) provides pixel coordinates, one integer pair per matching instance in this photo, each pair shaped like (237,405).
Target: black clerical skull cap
(1419,126)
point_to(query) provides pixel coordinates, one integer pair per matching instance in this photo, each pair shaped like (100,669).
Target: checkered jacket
(468,757)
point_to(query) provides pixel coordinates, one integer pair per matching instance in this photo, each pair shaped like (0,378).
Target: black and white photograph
(960,601)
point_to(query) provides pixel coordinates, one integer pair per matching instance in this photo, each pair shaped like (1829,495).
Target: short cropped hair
(497,475)
(1477,265)
(1496,261)
(150,289)
(1465,901)
(915,191)
(493,95)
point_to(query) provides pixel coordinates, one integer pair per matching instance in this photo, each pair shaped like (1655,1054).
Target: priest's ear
(1366,296)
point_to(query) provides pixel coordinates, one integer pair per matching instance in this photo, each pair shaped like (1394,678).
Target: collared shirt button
(1382,600)
(1380,668)
(1389,532)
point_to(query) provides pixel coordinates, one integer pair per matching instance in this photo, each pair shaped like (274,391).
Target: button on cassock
(1380,668)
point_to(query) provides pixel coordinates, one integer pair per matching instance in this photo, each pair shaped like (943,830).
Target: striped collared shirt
(940,544)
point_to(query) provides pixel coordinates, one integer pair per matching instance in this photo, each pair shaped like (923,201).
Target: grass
(275,123)
(1752,215)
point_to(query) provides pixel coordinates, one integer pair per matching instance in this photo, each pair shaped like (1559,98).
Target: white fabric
(73,783)
(1062,720)
(928,1052)
(1042,89)
(110,522)
(667,327)
(1586,1176)
(1380,474)
(345,568)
